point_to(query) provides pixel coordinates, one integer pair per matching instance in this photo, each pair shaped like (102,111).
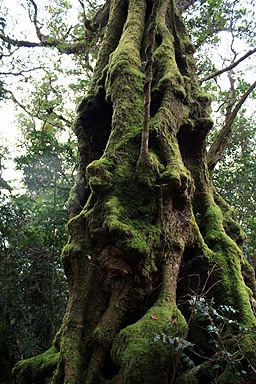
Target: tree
(33,291)
(235,179)
(4,152)
(152,245)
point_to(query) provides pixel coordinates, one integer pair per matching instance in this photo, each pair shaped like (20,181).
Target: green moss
(202,97)
(200,374)
(139,213)
(73,203)
(37,369)
(249,276)
(213,219)
(230,374)
(124,82)
(71,249)
(232,228)
(228,256)
(137,236)
(147,170)
(134,349)
(100,178)
(116,227)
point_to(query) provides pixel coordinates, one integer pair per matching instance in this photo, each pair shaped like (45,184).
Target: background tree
(235,179)
(4,155)
(126,249)
(33,292)
(33,232)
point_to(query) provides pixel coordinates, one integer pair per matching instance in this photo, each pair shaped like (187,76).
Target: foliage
(33,289)
(31,280)
(48,161)
(230,25)
(235,179)
(225,338)
(33,232)
(4,156)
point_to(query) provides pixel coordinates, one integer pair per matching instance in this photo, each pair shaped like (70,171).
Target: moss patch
(37,369)
(134,349)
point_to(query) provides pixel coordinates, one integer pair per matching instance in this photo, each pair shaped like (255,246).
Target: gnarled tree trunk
(147,226)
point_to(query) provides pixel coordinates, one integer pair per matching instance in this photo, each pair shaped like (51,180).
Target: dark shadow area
(97,125)
(178,203)
(189,280)
(109,370)
(156,101)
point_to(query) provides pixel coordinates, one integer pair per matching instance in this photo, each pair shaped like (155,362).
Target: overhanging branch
(220,143)
(67,48)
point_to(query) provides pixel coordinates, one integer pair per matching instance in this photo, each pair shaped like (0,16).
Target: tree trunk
(147,234)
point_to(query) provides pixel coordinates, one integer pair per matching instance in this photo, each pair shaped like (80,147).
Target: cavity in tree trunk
(147,225)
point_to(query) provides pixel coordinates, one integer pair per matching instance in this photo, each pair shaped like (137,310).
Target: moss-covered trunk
(148,232)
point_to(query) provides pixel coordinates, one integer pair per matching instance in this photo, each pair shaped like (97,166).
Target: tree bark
(144,238)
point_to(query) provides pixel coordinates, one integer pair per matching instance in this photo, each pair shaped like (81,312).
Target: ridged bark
(144,233)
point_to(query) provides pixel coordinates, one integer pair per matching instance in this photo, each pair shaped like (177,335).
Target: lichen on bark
(143,229)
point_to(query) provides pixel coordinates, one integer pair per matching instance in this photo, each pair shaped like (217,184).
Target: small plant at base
(222,330)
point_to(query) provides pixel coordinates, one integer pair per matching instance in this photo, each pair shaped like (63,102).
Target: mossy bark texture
(145,230)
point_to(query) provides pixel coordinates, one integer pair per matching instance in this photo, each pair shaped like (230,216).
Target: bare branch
(220,143)
(9,54)
(231,66)
(60,117)
(63,188)
(20,73)
(232,99)
(68,48)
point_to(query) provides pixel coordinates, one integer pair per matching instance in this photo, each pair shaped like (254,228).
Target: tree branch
(40,36)
(98,21)
(19,43)
(87,23)
(100,18)
(67,48)
(9,54)
(220,143)
(68,123)
(231,66)
(20,73)
(60,117)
